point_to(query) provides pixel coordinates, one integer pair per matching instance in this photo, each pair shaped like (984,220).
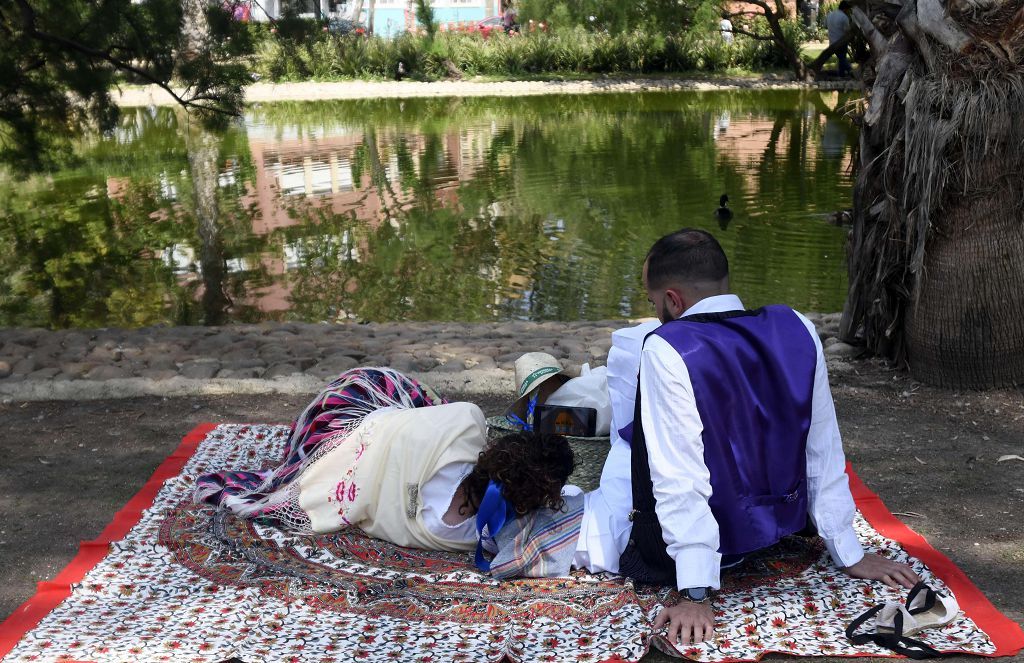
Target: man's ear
(676,302)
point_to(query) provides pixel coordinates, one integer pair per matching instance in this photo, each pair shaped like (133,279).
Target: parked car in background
(487,26)
(345,26)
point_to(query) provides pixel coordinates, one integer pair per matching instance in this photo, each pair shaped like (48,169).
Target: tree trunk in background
(937,253)
(774,12)
(369,18)
(966,328)
(195,29)
(203,150)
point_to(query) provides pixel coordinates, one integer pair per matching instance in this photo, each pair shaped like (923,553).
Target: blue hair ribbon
(526,424)
(494,512)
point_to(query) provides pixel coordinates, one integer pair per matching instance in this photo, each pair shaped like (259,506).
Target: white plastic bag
(590,389)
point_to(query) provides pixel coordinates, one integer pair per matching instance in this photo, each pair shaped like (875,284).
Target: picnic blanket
(169,580)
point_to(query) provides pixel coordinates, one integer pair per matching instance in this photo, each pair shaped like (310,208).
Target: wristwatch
(695,594)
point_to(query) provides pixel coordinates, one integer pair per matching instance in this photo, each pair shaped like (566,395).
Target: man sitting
(734,442)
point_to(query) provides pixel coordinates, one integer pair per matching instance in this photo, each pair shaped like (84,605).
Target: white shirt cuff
(845,548)
(698,567)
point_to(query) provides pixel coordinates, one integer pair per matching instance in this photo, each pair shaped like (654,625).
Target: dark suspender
(646,557)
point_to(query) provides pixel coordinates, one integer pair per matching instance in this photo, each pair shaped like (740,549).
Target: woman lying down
(378,451)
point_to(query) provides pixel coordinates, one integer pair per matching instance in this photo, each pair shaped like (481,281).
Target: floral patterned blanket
(174,581)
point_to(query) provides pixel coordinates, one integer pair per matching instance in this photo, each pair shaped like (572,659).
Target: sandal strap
(929,598)
(863,617)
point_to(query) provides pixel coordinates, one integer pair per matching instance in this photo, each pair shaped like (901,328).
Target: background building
(390,17)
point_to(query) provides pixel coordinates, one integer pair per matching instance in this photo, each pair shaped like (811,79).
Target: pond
(538,208)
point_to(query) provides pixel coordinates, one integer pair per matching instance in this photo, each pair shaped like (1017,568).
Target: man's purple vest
(753,378)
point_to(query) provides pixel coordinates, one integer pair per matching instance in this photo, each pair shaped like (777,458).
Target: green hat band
(537,374)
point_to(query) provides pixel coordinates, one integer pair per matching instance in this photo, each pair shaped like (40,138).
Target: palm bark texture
(936,257)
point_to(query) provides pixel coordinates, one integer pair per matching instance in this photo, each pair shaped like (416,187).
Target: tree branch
(891,71)
(907,20)
(752,35)
(871,33)
(29,25)
(746,13)
(935,23)
(760,3)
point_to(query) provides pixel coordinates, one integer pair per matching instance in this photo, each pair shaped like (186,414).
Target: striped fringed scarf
(335,412)
(540,544)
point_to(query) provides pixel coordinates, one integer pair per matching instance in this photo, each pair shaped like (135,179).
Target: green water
(539,208)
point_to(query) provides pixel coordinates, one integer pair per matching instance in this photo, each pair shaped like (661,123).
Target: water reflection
(432,209)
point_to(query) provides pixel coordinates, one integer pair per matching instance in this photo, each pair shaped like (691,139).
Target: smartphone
(563,420)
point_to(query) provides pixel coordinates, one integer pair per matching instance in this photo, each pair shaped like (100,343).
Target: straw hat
(534,369)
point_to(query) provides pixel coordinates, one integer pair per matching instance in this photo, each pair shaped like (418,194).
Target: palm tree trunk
(936,266)
(966,326)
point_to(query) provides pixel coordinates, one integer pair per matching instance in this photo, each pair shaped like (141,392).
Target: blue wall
(390,21)
(451,14)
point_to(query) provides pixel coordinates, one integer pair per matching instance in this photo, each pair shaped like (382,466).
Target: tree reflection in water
(445,209)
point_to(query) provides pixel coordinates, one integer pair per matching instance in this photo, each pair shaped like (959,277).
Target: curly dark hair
(531,468)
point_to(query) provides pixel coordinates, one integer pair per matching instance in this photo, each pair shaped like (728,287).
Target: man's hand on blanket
(875,567)
(688,623)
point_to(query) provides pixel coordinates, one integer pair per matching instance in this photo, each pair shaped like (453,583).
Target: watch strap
(695,594)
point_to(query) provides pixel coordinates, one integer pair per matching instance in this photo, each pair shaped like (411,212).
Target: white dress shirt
(681,479)
(606,525)
(436,494)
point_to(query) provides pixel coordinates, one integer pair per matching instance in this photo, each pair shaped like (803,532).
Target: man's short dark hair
(844,6)
(686,256)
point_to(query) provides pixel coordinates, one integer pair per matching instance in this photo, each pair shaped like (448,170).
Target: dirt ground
(931,455)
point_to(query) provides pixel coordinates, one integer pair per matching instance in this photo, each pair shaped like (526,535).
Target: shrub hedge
(301,52)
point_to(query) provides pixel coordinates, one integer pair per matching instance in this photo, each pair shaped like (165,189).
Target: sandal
(895,618)
(894,623)
(891,634)
(929,608)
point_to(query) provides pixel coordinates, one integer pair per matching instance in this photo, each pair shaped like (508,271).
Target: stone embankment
(39,364)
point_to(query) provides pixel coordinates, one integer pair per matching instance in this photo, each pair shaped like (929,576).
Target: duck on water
(723,213)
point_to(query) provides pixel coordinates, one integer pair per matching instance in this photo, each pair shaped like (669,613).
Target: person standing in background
(725,27)
(508,18)
(809,10)
(838,24)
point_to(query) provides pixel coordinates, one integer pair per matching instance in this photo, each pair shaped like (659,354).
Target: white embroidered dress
(375,479)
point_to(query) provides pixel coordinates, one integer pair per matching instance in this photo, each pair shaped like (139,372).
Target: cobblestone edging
(298,355)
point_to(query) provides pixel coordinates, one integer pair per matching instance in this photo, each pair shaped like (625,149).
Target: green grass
(812,50)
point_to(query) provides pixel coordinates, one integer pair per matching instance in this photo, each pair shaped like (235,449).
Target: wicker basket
(589,452)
